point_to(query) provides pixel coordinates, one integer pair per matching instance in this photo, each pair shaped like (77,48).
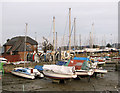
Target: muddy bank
(108,82)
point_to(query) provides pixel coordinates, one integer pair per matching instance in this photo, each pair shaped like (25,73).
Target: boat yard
(63,63)
(106,82)
(109,82)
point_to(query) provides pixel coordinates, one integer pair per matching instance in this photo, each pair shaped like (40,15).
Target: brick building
(16,46)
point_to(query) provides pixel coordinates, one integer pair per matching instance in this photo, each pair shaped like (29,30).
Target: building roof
(22,39)
(18,43)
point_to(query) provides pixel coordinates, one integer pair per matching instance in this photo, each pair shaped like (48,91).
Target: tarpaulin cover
(39,68)
(81,58)
(60,69)
(61,63)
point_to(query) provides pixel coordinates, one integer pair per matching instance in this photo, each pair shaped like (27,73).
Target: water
(108,82)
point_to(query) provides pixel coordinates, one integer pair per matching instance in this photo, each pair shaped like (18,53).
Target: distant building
(16,46)
(116,45)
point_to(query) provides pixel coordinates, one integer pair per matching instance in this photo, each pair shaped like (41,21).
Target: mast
(56,41)
(69,29)
(80,40)
(74,32)
(92,35)
(25,44)
(35,36)
(53,33)
(90,42)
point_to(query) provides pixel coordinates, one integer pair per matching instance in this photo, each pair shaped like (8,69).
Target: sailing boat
(29,73)
(59,72)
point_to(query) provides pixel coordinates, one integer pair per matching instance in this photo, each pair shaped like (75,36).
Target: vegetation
(108,45)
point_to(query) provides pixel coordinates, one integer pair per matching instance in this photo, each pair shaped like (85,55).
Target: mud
(108,82)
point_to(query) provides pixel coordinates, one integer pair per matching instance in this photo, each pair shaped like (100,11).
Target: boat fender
(31,70)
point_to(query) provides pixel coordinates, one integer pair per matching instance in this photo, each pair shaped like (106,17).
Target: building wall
(7,47)
(22,55)
(33,47)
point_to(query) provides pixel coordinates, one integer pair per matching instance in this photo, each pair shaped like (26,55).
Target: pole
(90,41)
(74,32)
(53,33)
(80,41)
(56,41)
(92,35)
(69,29)
(35,36)
(25,45)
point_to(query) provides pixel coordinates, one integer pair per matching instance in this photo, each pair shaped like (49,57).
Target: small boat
(29,73)
(84,73)
(100,71)
(59,72)
(97,70)
(116,57)
(3,60)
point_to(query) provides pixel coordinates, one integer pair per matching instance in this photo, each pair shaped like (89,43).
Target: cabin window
(20,70)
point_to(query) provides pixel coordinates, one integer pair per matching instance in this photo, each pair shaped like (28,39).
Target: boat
(116,57)
(99,60)
(85,73)
(59,72)
(3,60)
(98,70)
(29,73)
(61,62)
(82,66)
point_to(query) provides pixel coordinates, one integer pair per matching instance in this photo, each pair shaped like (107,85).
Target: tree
(108,45)
(46,45)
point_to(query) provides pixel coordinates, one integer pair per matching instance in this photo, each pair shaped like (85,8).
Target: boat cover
(39,68)
(61,63)
(81,58)
(60,69)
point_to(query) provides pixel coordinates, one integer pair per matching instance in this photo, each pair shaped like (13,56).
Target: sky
(39,16)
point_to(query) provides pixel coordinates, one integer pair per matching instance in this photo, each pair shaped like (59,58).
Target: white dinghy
(29,73)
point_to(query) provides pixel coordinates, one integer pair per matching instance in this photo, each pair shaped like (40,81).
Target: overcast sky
(39,17)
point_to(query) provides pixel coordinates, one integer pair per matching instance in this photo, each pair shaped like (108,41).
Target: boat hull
(100,71)
(84,72)
(53,75)
(23,75)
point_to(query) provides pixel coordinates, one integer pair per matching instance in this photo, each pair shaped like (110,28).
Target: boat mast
(35,36)
(25,44)
(69,29)
(90,42)
(53,33)
(74,32)
(92,35)
(80,41)
(56,41)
